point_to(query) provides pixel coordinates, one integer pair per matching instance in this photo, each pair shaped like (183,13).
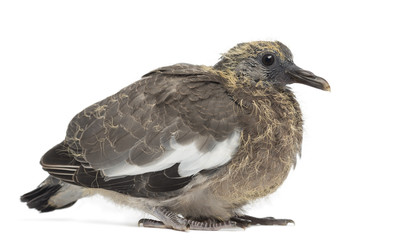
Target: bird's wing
(158,132)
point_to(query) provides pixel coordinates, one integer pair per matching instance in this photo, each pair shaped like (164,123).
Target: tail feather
(39,197)
(52,194)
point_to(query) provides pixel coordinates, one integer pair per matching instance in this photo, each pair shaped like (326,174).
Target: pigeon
(190,145)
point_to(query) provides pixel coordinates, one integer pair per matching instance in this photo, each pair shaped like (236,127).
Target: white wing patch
(220,155)
(191,159)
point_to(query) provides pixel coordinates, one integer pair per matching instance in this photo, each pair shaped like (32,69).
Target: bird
(190,145)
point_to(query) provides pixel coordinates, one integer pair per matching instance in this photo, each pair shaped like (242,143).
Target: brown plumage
(187,140)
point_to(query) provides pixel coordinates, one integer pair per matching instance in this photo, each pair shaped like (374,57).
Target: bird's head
(264,62)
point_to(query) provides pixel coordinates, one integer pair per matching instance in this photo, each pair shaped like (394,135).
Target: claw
(151,223)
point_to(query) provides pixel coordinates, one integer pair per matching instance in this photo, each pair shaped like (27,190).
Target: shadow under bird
(190,145)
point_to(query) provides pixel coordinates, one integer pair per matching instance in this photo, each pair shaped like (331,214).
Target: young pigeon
(190,145)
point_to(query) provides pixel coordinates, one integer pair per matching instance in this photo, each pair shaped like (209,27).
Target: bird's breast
(269,144)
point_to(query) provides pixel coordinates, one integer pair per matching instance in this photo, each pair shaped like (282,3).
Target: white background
(58,57)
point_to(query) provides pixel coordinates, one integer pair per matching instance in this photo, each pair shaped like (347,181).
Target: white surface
(57,57)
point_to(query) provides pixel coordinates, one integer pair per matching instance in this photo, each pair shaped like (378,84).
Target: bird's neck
(251,95)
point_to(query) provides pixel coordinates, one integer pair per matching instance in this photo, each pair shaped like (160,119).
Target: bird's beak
(299,75)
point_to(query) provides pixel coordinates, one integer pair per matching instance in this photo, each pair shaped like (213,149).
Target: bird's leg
(168,219)
(171,220)
(246,220)
(211,224)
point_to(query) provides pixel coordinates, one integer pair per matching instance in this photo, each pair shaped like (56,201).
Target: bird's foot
(246,221)
(209,225)
(171,220)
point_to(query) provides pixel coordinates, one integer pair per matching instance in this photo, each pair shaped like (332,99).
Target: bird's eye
(268,59)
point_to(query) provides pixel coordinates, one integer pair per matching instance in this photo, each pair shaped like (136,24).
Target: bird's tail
(53,194)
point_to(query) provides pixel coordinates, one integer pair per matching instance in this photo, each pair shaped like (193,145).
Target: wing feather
(173,123)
